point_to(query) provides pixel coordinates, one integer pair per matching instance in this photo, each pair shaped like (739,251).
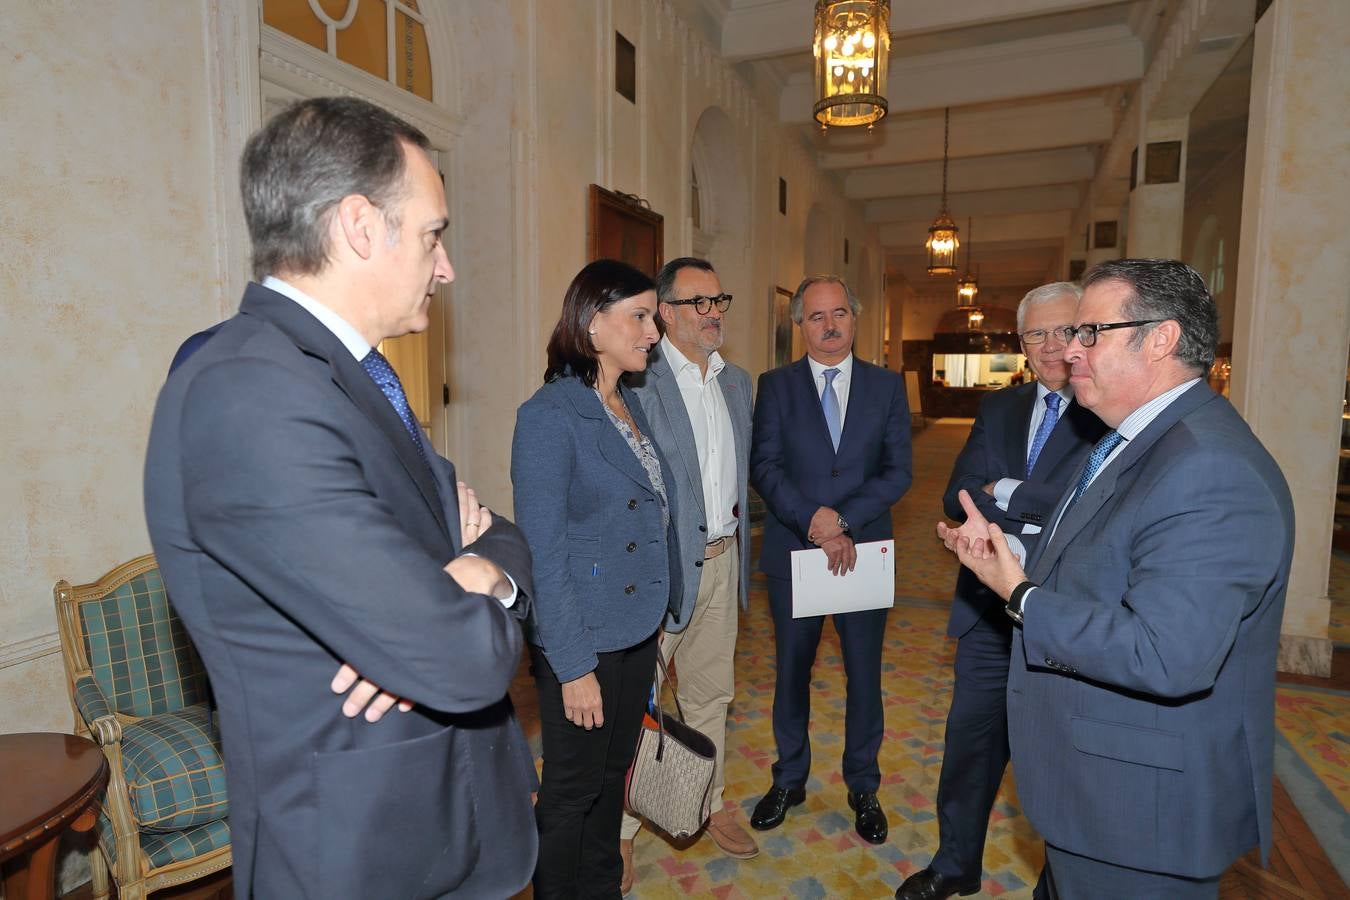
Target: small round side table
(48,783)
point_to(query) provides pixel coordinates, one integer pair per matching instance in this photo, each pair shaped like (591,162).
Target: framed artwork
(780,354)
(621,227)
(1162,162)
(1104,234)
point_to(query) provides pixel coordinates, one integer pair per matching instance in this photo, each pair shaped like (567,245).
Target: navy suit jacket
(297,527)
(795,468)
(997,448)
(606,568)
(1141,693)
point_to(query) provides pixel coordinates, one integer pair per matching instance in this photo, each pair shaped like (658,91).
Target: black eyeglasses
(1087,334)
(1038,335)
(703,305)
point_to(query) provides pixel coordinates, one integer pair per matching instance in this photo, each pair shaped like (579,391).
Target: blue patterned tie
(1099,453)
(383,374)
(1043,432)
(829,403)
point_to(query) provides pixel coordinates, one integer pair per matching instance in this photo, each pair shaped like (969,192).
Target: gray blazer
(1141,695)
(605,571)
(659,394)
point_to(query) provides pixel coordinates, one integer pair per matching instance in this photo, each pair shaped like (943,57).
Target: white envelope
(818,592)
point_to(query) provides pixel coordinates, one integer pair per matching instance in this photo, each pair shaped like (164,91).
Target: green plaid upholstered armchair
(140,691)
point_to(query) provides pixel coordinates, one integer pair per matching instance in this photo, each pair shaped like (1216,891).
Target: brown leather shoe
(626,854)
(727,834)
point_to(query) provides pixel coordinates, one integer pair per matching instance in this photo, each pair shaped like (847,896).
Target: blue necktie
(383,374)
(1043,433)
(829,403)
(1100,451)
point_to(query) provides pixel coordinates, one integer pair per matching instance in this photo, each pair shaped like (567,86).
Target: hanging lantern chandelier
(852,44)
(968,285)
(942,241)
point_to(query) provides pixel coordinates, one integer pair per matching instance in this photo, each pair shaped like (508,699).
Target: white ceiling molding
(976,132)
(755,29)
(982,174)
(977,203)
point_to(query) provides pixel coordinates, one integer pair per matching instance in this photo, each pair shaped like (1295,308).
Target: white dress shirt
(358,347)
(713,437)
(841,382)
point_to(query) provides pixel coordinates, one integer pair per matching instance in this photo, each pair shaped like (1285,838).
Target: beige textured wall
(106,260)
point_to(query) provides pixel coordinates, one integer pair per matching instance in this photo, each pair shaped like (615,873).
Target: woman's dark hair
(596,288)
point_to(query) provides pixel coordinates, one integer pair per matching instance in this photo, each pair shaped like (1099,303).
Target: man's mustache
(831,333)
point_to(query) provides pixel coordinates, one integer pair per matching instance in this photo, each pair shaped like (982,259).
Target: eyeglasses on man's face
(1038,335)
(1087,333)
(703,305)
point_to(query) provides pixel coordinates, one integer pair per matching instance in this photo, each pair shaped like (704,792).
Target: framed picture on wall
(622,227)
(780,354)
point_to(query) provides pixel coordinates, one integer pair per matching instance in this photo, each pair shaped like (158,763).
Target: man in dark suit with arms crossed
(1025,444)
(1142,687)
(830,456)
(302,521)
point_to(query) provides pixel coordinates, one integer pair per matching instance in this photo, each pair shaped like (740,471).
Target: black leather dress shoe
(772,808)
(930,885)
(869,820)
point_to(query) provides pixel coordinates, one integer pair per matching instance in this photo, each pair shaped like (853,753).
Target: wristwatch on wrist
(843,526)
(1014,607)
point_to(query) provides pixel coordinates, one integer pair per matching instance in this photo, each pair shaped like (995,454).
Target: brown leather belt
(716,548)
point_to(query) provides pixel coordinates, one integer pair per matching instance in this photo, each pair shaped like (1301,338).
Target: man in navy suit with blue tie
(1141,694)
(830,456)
(1027,441)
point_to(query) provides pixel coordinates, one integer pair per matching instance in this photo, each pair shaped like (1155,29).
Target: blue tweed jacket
(605,564)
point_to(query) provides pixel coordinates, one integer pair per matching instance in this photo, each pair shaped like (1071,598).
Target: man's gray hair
(1166,289)
(1044,294)
(795,307)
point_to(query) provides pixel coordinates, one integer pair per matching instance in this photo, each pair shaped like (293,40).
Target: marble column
(1292,321)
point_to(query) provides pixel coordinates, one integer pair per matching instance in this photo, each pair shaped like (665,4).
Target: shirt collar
(343,330)
(1065,393)
(845,367)
(1142,417)
(679,363)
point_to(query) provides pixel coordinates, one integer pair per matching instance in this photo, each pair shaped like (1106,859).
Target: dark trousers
(861,635)
(976,751)
(581,792)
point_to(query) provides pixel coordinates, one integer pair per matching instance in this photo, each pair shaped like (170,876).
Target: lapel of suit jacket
(858,394)
(1103,487)
(1015,428)
(738,408)
(311,337)
(667,386)
(609,442)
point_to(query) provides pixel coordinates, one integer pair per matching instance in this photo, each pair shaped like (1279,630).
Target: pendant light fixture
(852,44)
(942,241)
(968,285)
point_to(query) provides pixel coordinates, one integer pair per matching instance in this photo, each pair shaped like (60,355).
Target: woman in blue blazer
(590,497)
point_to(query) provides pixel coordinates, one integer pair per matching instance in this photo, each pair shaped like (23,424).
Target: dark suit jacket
(297,527)
(795,468)
(1142,688)
(997,448)
(659,392)
(606,568)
